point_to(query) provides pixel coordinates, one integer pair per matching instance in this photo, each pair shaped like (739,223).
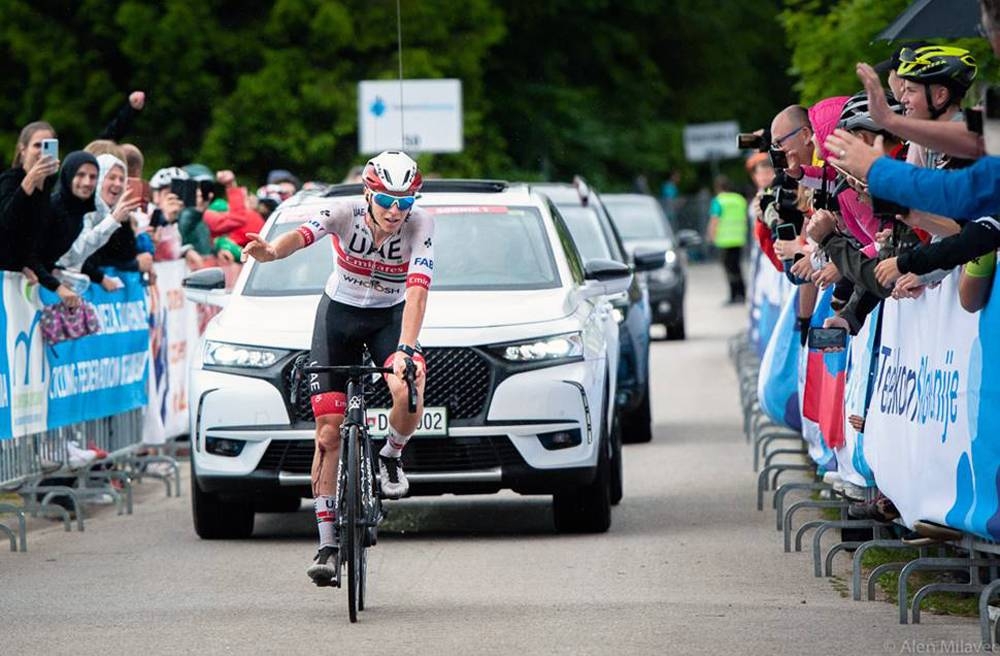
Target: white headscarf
(105,163)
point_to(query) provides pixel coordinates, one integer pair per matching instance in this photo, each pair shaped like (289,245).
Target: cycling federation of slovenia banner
(102,374)
(76,380)
(5,427)
(931,432)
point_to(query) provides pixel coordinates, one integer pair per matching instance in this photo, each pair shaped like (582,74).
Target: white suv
(521,347)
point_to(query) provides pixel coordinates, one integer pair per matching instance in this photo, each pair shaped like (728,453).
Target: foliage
(828,39)
(550,89)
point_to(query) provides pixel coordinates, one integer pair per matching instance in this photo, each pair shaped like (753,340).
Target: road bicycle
(359,510)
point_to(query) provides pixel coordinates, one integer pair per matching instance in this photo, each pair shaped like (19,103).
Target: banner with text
(87,378)
(102,374)
(930,434)
(173,335)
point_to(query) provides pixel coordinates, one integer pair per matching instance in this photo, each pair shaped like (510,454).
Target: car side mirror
(206,286)
(648,259)
(605,278)
(688,238)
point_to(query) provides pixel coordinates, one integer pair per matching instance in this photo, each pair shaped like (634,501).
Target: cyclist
(375,297)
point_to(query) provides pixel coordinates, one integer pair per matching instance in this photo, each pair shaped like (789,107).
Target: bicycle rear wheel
(352,541)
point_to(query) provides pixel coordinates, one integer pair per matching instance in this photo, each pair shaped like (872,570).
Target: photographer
(163,212)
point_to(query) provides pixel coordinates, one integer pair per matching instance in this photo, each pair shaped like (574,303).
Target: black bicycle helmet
(855,115)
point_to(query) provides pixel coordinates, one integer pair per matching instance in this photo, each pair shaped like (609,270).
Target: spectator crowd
(69,222)
(879,195)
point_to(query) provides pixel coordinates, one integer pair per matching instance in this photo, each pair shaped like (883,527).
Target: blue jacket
(963,194)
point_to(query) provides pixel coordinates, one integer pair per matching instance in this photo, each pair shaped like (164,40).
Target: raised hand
(259,249)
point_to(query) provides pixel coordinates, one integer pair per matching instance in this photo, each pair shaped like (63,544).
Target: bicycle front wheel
(353,540)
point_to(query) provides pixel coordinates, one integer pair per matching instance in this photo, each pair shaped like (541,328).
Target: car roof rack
(429,186)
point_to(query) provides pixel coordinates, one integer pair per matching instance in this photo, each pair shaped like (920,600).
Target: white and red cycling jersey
(366,276)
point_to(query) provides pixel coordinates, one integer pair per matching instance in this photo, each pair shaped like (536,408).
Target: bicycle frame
(359,499)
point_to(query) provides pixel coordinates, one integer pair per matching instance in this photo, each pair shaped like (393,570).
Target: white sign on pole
(708,141)
(427,120)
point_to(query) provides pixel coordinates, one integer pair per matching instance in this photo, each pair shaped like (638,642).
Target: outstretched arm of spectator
(963,194)
(976,283)
(977,238)
(122,122)
(853,264)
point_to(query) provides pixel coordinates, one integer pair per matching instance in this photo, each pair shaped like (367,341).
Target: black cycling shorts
(340,335)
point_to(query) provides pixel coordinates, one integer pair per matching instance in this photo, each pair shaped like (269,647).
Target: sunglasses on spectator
(386,201)
(781,140)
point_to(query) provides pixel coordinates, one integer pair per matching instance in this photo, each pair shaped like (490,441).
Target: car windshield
(637,218)
(586,230)
(475,249)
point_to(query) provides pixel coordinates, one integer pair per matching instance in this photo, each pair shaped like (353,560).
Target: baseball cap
(892,63)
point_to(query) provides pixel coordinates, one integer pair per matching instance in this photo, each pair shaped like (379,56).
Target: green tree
(549,88)
(828,40)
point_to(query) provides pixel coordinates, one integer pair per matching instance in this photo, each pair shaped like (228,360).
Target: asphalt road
(689,566)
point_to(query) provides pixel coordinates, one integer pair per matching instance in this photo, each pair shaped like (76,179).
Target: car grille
(458,379)
(444,454)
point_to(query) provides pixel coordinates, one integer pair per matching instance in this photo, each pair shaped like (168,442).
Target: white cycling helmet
(163,177)
(392,172)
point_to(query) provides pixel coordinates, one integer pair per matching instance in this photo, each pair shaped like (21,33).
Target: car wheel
(637,425)
(617,468)
(215,519)
(587,508)
(675,331)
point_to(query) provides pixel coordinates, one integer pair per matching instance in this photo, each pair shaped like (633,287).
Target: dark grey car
(642,223)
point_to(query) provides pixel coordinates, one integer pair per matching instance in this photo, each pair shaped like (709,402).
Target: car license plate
(434,421)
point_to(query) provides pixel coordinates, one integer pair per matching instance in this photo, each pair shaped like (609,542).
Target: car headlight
(557,347)
(671,257)
(236,355)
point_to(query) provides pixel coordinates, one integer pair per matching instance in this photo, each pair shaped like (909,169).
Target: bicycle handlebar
(360,370)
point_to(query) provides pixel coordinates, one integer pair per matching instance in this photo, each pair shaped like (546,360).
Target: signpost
(427,119)
(708,141)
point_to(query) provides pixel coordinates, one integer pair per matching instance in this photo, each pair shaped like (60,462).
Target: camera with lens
(760,142)
(824,199)
(781,201)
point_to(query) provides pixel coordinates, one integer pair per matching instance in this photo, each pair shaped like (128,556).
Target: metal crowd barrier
(971,556)
(31,466)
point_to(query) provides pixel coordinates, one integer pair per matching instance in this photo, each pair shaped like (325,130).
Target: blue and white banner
(87,378)
(769,290)
(931,431)
(777,386)
(851,461)
(5,427)
(173,336)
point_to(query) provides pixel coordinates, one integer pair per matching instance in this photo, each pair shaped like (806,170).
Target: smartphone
(787,232)
(136,186)
(50,147)
(185,190)
(207,189)
(827,338)
(859,185)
